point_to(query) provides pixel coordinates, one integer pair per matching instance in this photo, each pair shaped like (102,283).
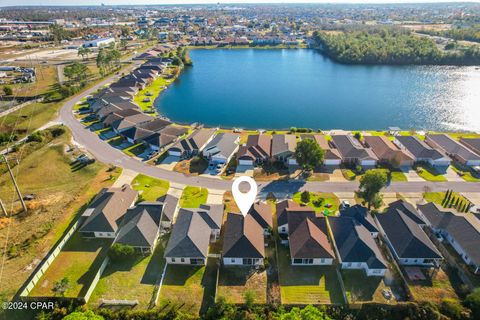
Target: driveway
(411,174)
(126,177)
(451,175)
(337,176)
(169,163)
(215,196)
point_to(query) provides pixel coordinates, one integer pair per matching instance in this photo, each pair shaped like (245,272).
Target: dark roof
(140,225)
(136,133)
(330,153)
(472,143)
(212,214)
(262,213)
(169,206)
(355,243)
(155,125)
(283,143)
(308,238)
(360,214)
(453,147)
(258,147)
(165,136)
(403,230)
(283,208)
(418,148)
(190,236)
(195,141)
(243,237)
(117,115)
(459,227)
(225,143)
(107,209)
(130,121)
(350,147)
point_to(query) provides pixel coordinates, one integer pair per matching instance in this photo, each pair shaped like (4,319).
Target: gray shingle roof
(350,147)
(418,148)
(170,204)
(195,141)
(453,147)
(459,227)
(360,213)
(402,228)
(355,243)
(243,237)
(283,143)
(262,213)
(307,237)
(225,143)
(140,225)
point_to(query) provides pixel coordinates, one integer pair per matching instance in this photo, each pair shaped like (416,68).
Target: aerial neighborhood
(143,176)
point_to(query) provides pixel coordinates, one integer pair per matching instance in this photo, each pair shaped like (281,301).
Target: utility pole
(3,208)
(15,184)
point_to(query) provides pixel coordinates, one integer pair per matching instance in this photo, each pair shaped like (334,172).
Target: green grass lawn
(359,287)
(466,173)
(150,188)
(78,261)
(438,197)
(429,173)
(131,279)
(235,281)
(349,174)
(135,149)
(307,284)
(398,176)
(193,197)
(320,201)
(154,89)
(192,288)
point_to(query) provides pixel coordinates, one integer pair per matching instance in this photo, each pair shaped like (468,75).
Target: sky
(151,2)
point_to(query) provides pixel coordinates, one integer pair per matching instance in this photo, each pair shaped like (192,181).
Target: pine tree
(456,202)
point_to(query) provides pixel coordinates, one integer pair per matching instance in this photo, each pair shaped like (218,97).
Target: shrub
(473,302)
(57,131)
(305,197)
(119,252)
(35,137)
(452,309)
(8,90)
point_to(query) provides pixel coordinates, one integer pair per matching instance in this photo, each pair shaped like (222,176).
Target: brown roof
(330,153)
(282,143)
(283,208)
(262,213)
(243,237)
(309,238)
(385,149)
(258,147)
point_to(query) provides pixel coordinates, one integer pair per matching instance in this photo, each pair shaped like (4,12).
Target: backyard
(235,281)
(196,282)
(360,288)
(131,279)
(437,288)
(78,262)
(307,284)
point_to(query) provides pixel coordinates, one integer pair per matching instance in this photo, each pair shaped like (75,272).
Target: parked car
(345,204)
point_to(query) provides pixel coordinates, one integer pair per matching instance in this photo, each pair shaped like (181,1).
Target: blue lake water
(301,88)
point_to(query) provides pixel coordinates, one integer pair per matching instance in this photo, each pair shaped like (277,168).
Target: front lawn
(320,201)
(193,197)
(235,281)
(135,150)
(429,173)
(78,261)
(191,288)
(150,188)
(438,198)
(130,279)
(307,284)
(466,173)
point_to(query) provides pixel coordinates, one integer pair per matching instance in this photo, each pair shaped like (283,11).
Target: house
(192,145)
(164,137)
(131,121)
(421,151)
(453,149)
(97,43)
(388,152)
(284,208)
(461,231)
(356,247)
(141,227)
(331,157)
(117,115)
(103,217)
(352,151)
(256,151)
(213,215)
(360,214)
(221,148)
(169,210)
(471,143)
(189,240)
(401,228)
(262,213)
(283,148)
(144,130)
(97,104)
(243,242)
(308,240)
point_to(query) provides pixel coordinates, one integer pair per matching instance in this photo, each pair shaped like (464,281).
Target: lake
(274,89)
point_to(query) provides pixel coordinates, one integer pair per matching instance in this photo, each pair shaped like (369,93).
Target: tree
(60,287)
(473,303)
(86,315)
(123,43)
(8,90)
(308,154)
(84,52)
(120,252)
(76,72)
(370,185)
(305,196)
(249,298)
(358,135)
(308,313)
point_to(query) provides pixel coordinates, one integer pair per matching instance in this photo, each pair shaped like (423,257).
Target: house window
(297,261)
(182,260)
(308,261)
(284,229)
(247,261)
(232,260)
(173,259)
(322,260)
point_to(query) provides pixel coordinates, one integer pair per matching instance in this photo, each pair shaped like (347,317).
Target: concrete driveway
(337,176)
(169,163)
(411,174)
(451,175)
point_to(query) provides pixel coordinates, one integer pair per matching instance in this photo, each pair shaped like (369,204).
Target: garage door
(368,162)
(245,162)
(331,162)
(174,153)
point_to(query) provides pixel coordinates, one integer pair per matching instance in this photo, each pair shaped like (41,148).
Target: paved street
(105,153)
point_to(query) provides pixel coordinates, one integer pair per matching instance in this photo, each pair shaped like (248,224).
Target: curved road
(107,154)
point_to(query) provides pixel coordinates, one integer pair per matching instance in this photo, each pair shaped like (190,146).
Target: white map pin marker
(244,200)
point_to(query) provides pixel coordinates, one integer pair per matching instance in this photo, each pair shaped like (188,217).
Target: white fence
(96,279)
(45,264)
